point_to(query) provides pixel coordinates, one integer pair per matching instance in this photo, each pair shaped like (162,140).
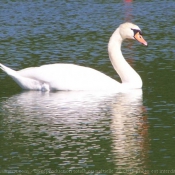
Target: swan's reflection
(87,115)
(130,134)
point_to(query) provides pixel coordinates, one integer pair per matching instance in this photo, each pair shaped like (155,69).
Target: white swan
(74,77)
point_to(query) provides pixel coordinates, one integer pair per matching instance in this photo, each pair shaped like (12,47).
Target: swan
(74,77)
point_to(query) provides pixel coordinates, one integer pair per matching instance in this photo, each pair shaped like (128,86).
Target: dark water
(83,132)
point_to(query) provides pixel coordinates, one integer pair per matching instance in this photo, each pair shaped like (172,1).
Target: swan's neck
(127,74)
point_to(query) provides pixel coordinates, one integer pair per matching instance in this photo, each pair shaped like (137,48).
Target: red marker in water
(128,0)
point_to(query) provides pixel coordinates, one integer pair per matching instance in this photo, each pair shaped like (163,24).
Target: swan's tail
(7,70)
(23,82)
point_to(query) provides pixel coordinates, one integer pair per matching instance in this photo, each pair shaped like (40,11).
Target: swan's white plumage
(69,77)
(74,77)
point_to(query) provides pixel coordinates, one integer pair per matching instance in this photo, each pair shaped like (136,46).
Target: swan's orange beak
(140,38)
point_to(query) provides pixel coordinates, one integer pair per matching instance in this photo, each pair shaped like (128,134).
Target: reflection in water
(70,128)
(130,134)
(128,8)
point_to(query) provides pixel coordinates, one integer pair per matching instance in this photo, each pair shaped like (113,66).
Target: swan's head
(131,31)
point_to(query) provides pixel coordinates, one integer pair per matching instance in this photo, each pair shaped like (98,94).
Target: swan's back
(70,77)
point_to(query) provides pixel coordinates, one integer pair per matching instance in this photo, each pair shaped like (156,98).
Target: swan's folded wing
(70,77)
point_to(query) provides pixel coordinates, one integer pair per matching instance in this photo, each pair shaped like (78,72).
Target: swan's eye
(136,31)
(140,33)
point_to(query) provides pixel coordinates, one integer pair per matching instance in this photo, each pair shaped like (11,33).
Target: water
(87,132)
